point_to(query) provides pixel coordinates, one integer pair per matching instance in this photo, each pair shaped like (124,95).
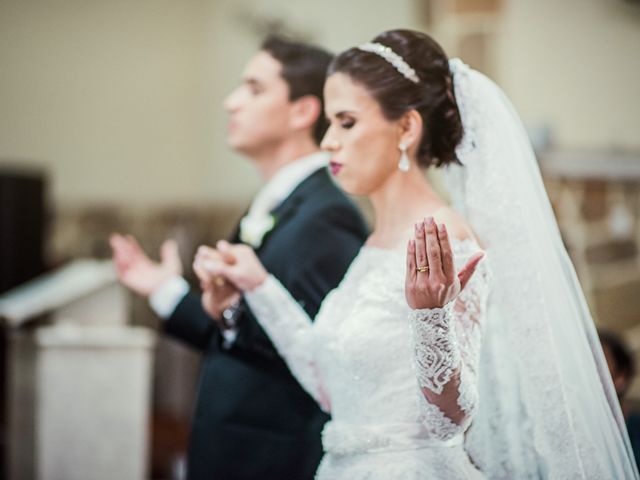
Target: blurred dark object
(170,437)
(611,251)
(22,214)
(21,227)
(622,366)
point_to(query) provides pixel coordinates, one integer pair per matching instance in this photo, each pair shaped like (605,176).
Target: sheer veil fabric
(547,405)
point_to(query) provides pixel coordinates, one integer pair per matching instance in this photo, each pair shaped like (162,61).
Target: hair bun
(432,97)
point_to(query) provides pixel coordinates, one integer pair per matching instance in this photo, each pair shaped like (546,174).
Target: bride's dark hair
(432,97)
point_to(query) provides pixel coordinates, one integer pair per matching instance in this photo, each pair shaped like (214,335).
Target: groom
(252,419)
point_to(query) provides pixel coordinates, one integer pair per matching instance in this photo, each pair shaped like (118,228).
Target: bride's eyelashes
(344,123)
(343,119)
(347,124)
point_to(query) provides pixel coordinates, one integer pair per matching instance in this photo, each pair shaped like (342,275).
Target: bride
(433,361)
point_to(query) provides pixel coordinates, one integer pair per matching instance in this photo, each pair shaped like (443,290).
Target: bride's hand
(431,280)
(245,273)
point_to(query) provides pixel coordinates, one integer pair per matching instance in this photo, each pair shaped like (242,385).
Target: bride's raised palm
(431,279)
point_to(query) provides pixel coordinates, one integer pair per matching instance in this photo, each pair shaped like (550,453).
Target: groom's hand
(136,270)
(218,294)
(246,271)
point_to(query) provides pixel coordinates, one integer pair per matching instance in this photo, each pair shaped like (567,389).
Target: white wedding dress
(365,358)
(547,406)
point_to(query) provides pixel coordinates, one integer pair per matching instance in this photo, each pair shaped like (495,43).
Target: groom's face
(259,108)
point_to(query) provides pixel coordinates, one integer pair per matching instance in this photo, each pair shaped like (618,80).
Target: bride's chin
(349,186)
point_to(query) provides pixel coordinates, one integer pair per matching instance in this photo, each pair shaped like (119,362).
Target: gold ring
(219,281)
(423,269)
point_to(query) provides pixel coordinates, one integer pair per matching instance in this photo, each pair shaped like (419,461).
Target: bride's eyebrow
(341,114)
(344,113)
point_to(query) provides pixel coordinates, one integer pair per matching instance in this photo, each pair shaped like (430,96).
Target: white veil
(547,404)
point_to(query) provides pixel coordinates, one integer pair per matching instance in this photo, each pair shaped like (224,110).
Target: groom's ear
(305,112)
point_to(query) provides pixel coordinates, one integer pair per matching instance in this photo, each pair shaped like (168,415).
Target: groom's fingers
(134,247)
(119,251)
(214,267)
(228,257)
(226,272)
(207,255)
(206,252)
(225,249)
(202,275)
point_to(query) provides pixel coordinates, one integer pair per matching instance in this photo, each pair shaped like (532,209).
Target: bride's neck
(404,199)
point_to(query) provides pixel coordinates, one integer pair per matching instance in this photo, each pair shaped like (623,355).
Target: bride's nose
(329,143)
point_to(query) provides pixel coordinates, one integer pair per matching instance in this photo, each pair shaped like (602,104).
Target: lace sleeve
(290,329)
(447,354)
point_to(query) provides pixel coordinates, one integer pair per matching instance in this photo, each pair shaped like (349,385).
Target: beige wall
(107,95)
(333,23)
(120,100)
(575,65)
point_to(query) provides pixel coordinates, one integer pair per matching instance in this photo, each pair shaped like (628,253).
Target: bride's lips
(335,167)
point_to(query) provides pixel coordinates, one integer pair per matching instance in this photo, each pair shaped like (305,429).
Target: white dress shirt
(169,294)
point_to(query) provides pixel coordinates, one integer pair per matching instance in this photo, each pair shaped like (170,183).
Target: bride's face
(362,142)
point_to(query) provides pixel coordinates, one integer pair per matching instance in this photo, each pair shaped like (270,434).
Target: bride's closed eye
(345,120)
(347,124)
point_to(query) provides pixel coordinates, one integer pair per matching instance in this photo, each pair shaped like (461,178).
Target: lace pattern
(359,357)
(289,328)
(436,351)
(447,353)
(547,410)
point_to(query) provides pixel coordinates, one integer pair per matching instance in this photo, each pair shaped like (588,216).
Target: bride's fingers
(433,247)
(421,249)
(446,252)
(468,270)
(411,261)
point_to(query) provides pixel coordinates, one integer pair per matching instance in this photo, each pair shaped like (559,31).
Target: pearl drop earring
(403,164)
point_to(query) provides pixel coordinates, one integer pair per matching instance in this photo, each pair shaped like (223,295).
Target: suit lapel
(288,208)
(235,233)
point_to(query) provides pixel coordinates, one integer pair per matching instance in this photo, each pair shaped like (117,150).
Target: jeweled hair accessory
(393,58)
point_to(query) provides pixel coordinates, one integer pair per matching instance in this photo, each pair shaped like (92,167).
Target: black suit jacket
(252,418)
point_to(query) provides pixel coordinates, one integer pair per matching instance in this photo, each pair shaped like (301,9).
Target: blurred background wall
(120,101)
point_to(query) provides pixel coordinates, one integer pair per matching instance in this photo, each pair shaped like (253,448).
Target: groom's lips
(335,167)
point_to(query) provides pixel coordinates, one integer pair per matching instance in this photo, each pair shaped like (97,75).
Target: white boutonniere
(253,228)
